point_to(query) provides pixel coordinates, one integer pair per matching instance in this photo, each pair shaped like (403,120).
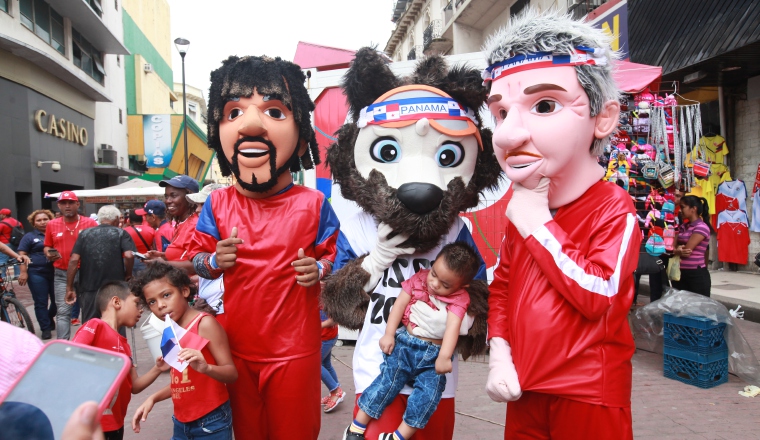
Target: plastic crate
(694,333)
(701,370)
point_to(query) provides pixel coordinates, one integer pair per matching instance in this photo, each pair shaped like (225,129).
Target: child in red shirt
(118,307)
(432,306)
(199,394)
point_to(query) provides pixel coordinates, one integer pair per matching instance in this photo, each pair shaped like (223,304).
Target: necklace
(71,231)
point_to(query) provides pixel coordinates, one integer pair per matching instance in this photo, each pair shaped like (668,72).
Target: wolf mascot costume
(561,293)
(413,156)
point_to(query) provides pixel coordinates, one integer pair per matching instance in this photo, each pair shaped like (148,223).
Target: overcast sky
(220,28)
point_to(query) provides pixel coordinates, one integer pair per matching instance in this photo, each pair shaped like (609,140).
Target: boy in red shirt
(118,307)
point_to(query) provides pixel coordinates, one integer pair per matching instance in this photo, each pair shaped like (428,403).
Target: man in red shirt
(60,236)
(155,216)
(7,223)
(142,234)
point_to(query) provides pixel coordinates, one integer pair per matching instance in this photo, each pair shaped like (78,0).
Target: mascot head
(554,100)
(259,122)
(414,154)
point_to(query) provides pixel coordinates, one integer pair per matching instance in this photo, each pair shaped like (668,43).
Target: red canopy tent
(634,77)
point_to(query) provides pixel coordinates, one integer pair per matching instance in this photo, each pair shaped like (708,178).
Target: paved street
(662,408)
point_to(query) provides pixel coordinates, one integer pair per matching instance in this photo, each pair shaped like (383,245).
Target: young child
(329,376)
(431,306)
(199,394)
(118,307)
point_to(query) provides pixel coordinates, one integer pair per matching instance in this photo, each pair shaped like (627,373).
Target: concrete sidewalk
(662,408)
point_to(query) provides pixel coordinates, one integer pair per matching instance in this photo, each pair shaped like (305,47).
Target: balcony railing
(432,32)
(448,12)
(581,8)
(411,55)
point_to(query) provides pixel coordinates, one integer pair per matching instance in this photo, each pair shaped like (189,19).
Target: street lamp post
(182,46)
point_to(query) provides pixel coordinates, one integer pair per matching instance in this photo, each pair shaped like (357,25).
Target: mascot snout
(420,198)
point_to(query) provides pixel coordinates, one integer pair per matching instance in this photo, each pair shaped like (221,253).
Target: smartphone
(139,255)
(62,376)
(53,252)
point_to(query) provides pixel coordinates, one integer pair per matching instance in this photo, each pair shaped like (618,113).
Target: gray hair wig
(108,214)
(555,32)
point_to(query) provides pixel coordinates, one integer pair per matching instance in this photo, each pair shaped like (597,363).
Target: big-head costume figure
(272,240)
(413,156)
(560,343)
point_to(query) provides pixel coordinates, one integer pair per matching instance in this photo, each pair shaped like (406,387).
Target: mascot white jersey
(413,156)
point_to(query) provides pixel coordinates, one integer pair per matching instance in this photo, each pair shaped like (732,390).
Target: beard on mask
(425,231)
(274,172)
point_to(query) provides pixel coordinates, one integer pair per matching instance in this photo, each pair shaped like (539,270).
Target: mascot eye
(234,113)
(274,113)
(385,150)
(546,106)
(450,155)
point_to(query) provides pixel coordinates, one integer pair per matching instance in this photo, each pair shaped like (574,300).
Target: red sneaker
(76,321)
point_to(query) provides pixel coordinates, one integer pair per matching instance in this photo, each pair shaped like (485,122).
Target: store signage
(157,138)
(60,128)
(614,22)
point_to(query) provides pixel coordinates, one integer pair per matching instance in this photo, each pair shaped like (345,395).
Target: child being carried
(431,306)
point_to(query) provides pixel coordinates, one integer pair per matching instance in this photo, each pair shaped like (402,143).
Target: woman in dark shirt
(39,274)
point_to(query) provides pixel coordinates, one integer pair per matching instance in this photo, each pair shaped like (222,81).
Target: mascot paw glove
(384,254)
(502,384)
(528,209)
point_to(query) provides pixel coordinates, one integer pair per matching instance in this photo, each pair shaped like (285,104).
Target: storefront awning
(134,191)
(634,77)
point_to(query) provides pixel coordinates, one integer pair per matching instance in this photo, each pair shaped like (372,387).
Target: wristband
(212,261)
(321,268)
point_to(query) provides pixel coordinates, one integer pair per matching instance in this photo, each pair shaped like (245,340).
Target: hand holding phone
(139,255)
(53,254)
(62,377)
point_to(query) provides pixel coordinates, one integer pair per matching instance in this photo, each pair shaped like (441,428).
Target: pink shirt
(18,348)
(416,287)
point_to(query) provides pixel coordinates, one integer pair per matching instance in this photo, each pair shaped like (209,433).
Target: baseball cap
(155,207)
(6,211)
(200,197)
(68,195)
(181,181)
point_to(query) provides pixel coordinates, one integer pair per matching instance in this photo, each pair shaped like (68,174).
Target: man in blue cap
(182,212)
(155,214)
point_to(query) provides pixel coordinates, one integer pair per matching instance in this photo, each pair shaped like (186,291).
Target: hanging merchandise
(669,239)
(755,227)
(757,181)
(655,245)
(733,237)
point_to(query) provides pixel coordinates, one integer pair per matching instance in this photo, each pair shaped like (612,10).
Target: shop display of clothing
(735,189)
(755,226)
(733,237)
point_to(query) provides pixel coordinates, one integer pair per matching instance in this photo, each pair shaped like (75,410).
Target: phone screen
(139,255)
(64,376)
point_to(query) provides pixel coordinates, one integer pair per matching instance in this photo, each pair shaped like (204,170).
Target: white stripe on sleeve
(570,269)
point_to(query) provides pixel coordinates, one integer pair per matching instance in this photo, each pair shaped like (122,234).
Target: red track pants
(439,427)
(276,400)
(543,416)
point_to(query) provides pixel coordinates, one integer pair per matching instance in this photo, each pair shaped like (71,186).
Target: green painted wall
(136,41)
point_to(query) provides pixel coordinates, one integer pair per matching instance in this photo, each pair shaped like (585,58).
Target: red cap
(5,211)
(68,195)
(140,211)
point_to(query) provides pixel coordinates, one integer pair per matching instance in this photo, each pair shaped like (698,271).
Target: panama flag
(174,339)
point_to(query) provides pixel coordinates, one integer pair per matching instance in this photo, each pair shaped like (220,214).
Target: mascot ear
(367,79)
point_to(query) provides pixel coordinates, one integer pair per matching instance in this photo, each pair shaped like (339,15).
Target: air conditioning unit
(107,154)
(148,68)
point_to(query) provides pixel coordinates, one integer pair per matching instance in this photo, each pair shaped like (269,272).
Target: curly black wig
(238,77)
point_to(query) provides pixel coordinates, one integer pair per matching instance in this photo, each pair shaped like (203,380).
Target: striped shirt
(697,258)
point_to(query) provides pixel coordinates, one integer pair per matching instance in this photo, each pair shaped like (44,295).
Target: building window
(192,110)
(118,60)
(116,4)
(120,118)
(4,5)
(95,6)
(195,167)
(87,58)
(41,19)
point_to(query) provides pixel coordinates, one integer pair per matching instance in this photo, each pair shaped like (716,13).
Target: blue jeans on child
(329,376)
(412,361)
(216,425)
